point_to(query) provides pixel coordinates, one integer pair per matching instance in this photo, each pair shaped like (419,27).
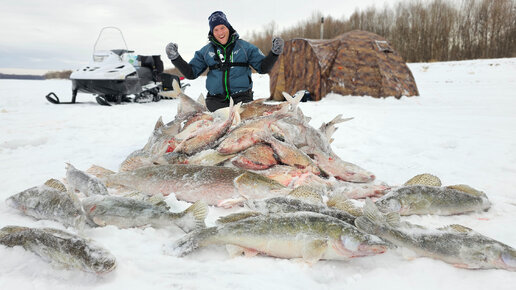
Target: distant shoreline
(21,77)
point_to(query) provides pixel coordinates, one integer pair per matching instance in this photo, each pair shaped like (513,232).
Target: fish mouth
(11,202)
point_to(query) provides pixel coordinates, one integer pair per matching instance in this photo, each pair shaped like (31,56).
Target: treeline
(64,74)
(20,77)
(421,31)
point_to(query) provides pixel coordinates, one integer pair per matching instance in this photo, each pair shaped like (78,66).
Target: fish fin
(98,221)
(306,193)
(69,166)
(190,242)
(176,87)
(467,189)
(234,250)
(133,163)
(328,129)
(344,204)
(80,223)
(314,250)
(56,184)
(237,119)
(424,179)
(159,124)
(234,217)
(456,228)
(461,266)
(408,254)
(371,219)
(157,199)
(201,100)
(230,202)
(287,96)
(75,200)
(99,171)
(293,100)
(199,211)
(372,212)
(393,219)
(250,252)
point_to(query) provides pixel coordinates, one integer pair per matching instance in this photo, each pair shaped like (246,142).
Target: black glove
(277,45)
(171,51)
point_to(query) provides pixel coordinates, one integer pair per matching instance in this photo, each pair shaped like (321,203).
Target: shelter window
(382,45)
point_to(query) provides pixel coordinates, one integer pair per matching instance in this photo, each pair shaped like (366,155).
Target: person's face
(221,33)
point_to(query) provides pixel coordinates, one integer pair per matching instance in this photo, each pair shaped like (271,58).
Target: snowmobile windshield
(110,38)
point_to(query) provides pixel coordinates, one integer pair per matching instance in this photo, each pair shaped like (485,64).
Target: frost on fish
(85,183)
(285,204)
(455,244)
(44,202)
(422,199)
(358,190)
(125,212)
(60,248)
(306,235)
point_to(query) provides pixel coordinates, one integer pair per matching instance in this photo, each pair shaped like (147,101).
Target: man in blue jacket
(228,59)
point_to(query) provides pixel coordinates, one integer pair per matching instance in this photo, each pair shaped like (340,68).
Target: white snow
(462,129)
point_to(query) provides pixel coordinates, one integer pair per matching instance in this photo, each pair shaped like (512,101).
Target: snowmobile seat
(154,63)
(167,79)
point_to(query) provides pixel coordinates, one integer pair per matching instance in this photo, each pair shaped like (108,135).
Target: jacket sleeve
(193,69)
(255,57)
(268,62)
(184,67)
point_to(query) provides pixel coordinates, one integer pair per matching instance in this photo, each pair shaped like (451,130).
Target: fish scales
(60,248)
(422,199)
(310,236)
(43,202)
(454,244)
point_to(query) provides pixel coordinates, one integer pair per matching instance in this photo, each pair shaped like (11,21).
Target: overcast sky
(37,36)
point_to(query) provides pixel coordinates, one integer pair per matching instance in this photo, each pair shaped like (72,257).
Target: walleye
(307,235)
(455,244)
(422,199)
(222,186)
(124,212)
(206,137)
(343,189)
(60,248)
(257,157)
(315,143)
(87,184)
(249,133)
(290,155)
(283,204)
(44,202)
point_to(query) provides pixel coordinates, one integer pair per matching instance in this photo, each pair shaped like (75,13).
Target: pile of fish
(297,198)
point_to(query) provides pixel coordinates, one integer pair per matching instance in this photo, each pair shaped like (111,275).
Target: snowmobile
(115,74)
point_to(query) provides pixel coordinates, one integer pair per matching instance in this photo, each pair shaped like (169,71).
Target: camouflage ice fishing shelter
(355,63)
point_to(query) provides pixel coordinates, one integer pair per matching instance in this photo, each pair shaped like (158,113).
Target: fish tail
(373,219)
(79,223)
(293,100)
(100,172)
(193,217)
(190,242)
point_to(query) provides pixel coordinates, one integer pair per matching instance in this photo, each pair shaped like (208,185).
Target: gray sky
(37,36)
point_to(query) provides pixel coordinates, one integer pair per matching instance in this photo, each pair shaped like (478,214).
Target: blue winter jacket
(237,78)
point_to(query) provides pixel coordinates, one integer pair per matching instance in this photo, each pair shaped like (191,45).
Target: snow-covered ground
(462,128)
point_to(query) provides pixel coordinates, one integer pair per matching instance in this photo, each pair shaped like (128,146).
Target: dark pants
(215,102)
